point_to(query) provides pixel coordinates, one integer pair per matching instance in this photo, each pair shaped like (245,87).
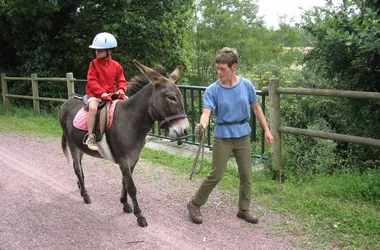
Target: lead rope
(200,150)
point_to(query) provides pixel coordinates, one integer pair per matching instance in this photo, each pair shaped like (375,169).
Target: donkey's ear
(175,74)
(152,75)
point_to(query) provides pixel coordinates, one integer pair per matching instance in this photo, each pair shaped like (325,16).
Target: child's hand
(107,98)
(120,92)
(104,95)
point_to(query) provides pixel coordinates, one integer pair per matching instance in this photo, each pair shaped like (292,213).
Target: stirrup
(85,137)
(91,142)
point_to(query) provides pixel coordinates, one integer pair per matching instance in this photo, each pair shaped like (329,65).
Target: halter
(165,119)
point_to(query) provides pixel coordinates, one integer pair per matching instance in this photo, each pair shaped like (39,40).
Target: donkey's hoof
(142,222)
(87,199)
(127,208)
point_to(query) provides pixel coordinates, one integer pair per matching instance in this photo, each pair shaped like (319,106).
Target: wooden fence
(274,90)
(35,96)
(275,119)
(190,93)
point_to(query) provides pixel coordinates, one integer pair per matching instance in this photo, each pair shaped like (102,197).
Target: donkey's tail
(64,146)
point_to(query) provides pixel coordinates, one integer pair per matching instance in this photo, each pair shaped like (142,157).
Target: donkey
(159,100)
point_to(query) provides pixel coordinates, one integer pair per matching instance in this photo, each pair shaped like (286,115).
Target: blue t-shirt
(230,105)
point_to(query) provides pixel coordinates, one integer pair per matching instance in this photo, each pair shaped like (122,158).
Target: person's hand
(121,94)
(104,95)
(120,91)
(107,98)
(198,129)
(269,138)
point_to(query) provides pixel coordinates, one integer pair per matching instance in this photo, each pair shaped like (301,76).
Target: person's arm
(205,118)
(203,122)
(256,108)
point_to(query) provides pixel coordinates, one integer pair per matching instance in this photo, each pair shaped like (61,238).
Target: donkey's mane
(140,81)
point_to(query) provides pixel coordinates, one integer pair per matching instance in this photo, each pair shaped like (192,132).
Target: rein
(200,150)
(181,138)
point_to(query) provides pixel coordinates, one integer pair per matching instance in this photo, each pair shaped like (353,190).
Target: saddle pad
(80,120)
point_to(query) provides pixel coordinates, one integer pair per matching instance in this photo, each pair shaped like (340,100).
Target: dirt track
(41,208)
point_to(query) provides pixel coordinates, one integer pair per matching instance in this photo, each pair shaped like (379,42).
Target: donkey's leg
(124,194)
(131,189)
(124,198)
(77,164)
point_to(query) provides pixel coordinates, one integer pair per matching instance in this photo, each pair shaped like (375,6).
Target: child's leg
(93,104)
(92,109)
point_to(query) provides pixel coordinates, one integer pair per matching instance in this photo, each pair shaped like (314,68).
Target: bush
(307,157)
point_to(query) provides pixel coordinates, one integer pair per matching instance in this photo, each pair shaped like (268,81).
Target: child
(105,76)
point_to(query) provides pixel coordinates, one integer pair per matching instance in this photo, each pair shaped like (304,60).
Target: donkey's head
(166,105)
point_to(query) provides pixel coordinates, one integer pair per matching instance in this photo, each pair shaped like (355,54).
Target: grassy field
(339,211)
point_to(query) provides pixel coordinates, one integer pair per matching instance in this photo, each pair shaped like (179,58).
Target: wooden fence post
(5,92)
(36,102)
(274,123)
(70,84)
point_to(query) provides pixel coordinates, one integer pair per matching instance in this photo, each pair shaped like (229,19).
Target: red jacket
(104,76)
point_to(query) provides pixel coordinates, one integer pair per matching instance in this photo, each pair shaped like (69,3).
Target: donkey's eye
(172,98)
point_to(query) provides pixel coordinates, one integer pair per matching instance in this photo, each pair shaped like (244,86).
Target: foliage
(346,52)
(236,24)
(51,38)
(307,157)
(156,32)
(346,44)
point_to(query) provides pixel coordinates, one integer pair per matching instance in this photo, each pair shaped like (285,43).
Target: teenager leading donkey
(230,99)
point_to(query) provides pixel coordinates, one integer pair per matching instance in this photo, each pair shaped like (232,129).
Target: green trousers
(223,147)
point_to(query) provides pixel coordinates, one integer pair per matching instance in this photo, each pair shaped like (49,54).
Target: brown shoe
(244,214)
(195,212)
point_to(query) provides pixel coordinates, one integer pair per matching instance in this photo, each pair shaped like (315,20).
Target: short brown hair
(227,55)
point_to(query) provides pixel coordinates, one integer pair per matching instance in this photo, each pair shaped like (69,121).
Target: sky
(272,9)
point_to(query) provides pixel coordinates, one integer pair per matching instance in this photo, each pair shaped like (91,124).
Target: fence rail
(275,120)
(330,92)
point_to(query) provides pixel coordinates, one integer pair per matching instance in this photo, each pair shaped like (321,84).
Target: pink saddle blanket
(80,120)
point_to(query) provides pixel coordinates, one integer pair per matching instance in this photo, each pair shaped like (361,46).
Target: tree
(346,51)
(52,37)
(236,24)
(157,32)
(223,24)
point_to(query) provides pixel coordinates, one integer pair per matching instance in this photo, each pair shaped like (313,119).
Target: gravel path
(41,208)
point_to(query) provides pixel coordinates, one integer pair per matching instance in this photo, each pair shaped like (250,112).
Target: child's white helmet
(104,40)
